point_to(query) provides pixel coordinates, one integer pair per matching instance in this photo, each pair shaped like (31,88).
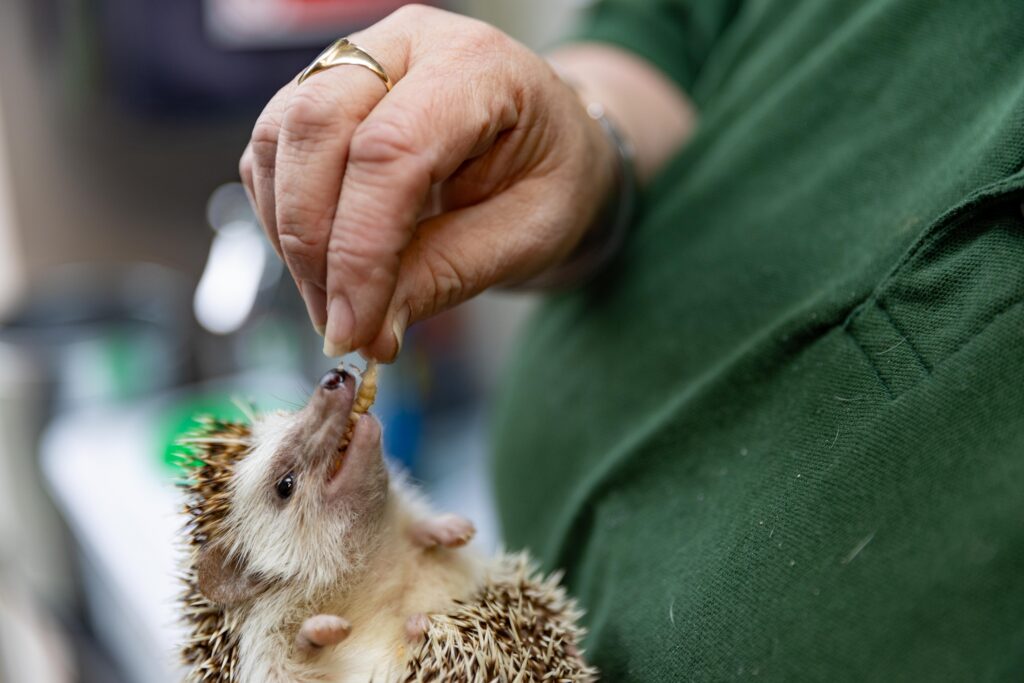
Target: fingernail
(334,350)
(315,299)
(398,326)
(338,337)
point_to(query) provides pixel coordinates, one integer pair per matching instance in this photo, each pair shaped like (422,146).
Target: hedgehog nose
(333,379)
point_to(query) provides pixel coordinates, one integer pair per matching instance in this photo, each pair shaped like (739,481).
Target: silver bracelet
(603,239)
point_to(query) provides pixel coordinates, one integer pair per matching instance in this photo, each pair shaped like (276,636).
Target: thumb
(455,256)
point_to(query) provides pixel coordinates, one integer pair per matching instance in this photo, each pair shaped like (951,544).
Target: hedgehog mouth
(366,394)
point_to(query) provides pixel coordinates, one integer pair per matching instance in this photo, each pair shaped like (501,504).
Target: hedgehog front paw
(447,531)
(320,631)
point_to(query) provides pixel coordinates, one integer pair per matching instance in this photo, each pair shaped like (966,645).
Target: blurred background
(136,291)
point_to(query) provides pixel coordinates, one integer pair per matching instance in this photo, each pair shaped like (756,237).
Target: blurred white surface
(123,511)
(231,280)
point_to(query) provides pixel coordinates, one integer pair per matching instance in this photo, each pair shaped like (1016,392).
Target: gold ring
(342,51)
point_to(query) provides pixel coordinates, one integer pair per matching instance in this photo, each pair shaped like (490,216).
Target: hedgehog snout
(333,396)
(334,378)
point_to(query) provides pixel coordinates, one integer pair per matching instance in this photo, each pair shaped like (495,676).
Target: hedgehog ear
(222,578)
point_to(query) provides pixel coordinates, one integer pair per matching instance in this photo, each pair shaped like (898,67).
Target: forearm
(652,113)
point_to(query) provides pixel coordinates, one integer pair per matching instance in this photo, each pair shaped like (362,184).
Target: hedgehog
(307,559)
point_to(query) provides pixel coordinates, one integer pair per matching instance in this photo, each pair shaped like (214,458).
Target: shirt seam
(954,218)
(890,392)
(880,303)
(991,195)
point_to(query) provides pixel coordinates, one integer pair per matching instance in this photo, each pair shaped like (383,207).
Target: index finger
(317,125)
(417,135)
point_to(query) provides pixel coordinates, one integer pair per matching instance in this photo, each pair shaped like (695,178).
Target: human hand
(479,168)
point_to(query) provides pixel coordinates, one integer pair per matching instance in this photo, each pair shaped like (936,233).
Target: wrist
(607,229)
(652,112)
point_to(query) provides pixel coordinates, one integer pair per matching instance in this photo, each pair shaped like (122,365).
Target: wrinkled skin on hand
(480,168)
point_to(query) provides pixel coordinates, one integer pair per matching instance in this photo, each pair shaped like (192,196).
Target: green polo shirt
(782,436)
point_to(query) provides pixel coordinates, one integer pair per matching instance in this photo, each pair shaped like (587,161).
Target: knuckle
(304,224)
(360,251)
(348,260)
(307,114)
(387,179)
(445,285)
(382,142)
(264,144)
(300,251)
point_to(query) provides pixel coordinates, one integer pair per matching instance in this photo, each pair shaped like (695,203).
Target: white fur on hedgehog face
(303,539)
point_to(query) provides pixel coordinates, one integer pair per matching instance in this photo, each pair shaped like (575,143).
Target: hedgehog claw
(447,531)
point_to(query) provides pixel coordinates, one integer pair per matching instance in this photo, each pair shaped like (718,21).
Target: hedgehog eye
(286,486)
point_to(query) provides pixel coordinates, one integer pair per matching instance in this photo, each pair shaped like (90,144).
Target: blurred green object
(181,418)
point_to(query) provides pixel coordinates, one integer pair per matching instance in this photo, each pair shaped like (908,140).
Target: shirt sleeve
(675,35)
